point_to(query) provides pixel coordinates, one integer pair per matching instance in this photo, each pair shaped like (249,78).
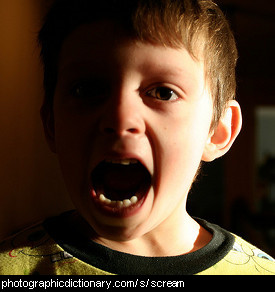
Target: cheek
(179,164)
(71,147)
(180,146)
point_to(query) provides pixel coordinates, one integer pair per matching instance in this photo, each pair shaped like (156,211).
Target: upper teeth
(122,161)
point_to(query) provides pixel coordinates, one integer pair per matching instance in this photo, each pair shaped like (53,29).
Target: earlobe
(47,118)
(222,137)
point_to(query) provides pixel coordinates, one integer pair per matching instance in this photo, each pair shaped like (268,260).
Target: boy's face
(131,121)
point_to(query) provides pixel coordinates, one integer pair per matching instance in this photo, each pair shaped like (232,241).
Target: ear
(47,117)
(222,137)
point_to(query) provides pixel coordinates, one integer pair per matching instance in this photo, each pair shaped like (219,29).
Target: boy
(137,95)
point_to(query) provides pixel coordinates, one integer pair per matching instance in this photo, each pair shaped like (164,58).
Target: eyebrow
(171,72)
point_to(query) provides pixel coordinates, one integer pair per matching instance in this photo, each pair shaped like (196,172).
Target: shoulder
(33,251)
(21,253)
(244,259)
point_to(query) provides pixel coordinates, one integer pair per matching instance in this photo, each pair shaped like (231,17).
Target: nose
(123,116)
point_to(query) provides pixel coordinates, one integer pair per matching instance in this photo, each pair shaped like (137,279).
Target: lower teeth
(119,204)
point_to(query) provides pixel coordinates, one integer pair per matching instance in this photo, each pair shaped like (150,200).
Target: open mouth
(120,184)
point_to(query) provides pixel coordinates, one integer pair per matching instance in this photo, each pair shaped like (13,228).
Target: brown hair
(197,25)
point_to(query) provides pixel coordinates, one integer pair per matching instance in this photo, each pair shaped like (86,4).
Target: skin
(126,119)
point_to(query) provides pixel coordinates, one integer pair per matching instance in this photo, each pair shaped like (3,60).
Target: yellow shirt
(51,248)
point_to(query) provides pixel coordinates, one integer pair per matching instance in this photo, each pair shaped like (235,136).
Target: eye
(91,91)
(85,89)
(163,93)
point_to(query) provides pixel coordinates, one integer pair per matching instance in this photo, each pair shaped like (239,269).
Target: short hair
(197,25)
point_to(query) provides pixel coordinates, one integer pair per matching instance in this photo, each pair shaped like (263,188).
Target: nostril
(133,130)
(109,130)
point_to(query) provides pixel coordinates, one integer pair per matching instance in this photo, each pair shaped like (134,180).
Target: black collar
(121,263)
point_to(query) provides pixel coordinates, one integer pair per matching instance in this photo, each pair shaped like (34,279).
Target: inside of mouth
(118,182)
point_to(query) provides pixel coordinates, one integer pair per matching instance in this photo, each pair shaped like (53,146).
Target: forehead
(104,47)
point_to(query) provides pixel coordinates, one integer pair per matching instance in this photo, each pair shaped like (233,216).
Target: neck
(162,241)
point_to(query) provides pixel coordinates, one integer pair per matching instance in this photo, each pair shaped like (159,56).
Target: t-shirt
(53,247)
